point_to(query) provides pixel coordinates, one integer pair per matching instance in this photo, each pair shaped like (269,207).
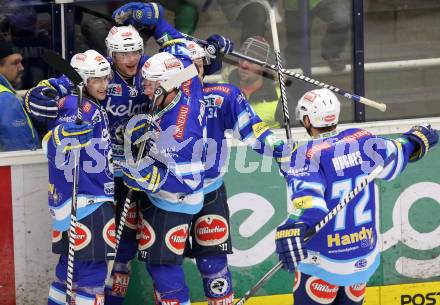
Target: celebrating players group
(167,153)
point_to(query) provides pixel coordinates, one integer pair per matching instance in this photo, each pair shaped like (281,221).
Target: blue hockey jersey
(95,185)
(180,150)
(323,171)
(229,111)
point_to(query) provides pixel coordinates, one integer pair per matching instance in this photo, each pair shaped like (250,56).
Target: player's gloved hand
(146,14)
(289,241)
(177,48)
(147,177)
(423,137)
(41,103)
(217,48)
(71,135)
(138,133)
(63,85)
(221,44)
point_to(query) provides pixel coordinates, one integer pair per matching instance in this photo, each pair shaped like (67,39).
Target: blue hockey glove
(423,137)
(138,13)
(221,44)
(147,177)
(41,103)
(71,135)
(289,241)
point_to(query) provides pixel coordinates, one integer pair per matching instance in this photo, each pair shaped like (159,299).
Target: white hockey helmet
(195,51)
(123,39)
(321,106)
(161,66)
(90,64)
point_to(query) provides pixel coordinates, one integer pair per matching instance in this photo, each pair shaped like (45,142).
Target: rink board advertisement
(410,231)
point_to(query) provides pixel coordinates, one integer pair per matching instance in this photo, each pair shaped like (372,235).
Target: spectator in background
(249,15)
(16,129)
(262,93)
(336,14)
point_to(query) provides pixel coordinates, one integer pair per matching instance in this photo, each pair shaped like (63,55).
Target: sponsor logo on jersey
(170,302)
(86,107)
(296,281)
(126,109)
(96,117)
(175,239)
(356,136)
(218,286)
(114,89)
(182,118)
(240,98)
(347,161)
(299,172)
(131,220)
(186,87)
(259,128)
(109,188)
(211,230)
(317,148)
(227,300)
(355,292)
(320,291)
(336,240)
(147,237)
(109,233)
(83,236)
(132,91)
(67,118)
(304,202)
(213,100)
(220,88)
(56,236)
(361,264)
(120,284)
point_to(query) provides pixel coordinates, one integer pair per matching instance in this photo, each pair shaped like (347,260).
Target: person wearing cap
(16,129)
(261,92)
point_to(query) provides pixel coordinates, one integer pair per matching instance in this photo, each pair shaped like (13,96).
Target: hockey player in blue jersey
(170,175)
(336,264)
(228,111)
(95,232)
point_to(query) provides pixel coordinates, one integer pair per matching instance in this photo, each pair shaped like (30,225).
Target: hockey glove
(423,137)
(71,135)
(217,48)
(41,103)
(289,241)
(138,13)
(147,177)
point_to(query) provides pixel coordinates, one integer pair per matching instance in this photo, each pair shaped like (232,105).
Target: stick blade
(61,65)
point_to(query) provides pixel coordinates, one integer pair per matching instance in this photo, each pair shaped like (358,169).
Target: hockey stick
(276,47)
(354,97)
(165,87)
(62,66)
(318,227)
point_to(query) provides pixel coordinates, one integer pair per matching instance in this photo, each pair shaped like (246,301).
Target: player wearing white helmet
(228,111)
(171,178)
(344,254)
(96,226)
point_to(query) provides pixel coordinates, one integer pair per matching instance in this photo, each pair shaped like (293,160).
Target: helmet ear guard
(321,106)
